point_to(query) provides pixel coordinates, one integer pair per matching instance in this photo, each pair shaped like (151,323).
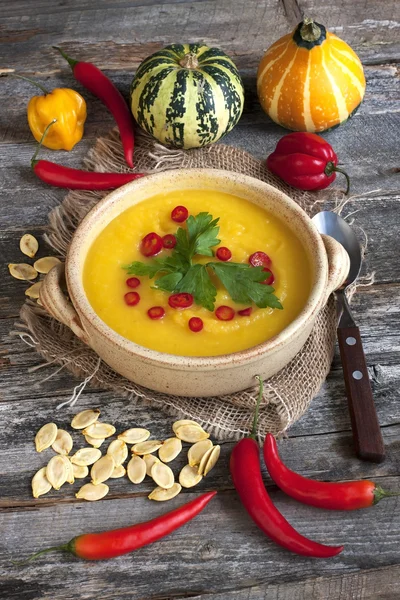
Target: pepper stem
(347,178)
(332,168)
(189,61)
(380,493)
(257,409)
(310,32)
(32,81)
(33,159)
(63,548)
(72,62)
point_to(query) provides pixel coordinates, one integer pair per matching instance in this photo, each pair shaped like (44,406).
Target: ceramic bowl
(184,375)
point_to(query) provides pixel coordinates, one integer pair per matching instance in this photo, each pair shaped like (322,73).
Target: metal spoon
(364,421)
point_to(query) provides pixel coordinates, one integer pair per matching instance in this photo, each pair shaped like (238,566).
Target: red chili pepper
(306,161)
(348,495)
(224,313)
(151,244)
(132,298)
(100,546)
(169,241)
(247,478)
(179,214)
(260,259)
(181,300)
(223,254)
(196,324)
(156,312)
(133,282)
(96,82)
(245,312)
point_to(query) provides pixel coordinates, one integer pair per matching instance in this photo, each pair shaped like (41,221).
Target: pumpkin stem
(310,32)
(189,61)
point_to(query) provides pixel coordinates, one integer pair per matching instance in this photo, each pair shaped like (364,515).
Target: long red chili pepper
(96,82)
(247,478)
(108,544)
(348,495)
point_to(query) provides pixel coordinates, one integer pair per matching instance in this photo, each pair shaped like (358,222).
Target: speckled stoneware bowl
(183,375)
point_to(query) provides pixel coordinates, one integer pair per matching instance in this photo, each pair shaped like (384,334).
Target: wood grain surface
(221,555)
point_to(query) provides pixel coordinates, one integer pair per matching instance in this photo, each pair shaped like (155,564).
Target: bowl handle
(56,303)
(338,264)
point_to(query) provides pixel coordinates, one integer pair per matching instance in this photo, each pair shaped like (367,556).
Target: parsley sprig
(177,273)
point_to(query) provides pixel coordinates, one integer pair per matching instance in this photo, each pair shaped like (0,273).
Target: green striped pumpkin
(187,95)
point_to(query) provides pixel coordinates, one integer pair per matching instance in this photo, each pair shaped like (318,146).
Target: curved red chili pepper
(247,478)
(96,82)
(349,495)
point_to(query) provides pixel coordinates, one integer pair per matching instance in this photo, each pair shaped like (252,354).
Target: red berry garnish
(156,312)
(182,300)
(224,254)
(270,279)
(133,282)
(246,312)
(169,241)
(195,324)
(260,259)
(179,214)
(151,244)
(132,298)
(224,313)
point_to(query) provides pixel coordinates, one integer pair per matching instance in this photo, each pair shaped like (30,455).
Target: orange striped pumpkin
(310,80)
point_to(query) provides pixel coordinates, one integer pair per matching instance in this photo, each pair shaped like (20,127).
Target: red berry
(224,313)
(132,298)
(179,214)
(224,254)
(181,300)
(151,244)
(270,279)
(156,312)
(169,241)
(195,324)
(133,282)
(246,312)
(260,259)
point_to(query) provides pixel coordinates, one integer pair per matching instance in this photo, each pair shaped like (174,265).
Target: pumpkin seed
(204,460)
(33,290)
(70,470)
(184,422)
(197,451)
(80,472)
(212,459)
(40,484)
(191,433)
(39,302)
(134,435)
(170,449)
(136,469)
(57,471)
(102,469)
(22,271)
(119,471)
(119,451)
(86,456)
(189,477)
(93,441)
(161,495)
(146,447)
(63,442)
(149,459)
(46,436)
(45,264)
(99,430)
(28,245)
(92,492)
(162,475)
(85,418)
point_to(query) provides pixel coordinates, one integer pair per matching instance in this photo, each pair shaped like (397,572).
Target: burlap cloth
(286,395)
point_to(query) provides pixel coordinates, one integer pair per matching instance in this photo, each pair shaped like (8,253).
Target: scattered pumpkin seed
(149,459)
(85,418)
(102,469)
(45,264)
(40,484)
(46,436)
(162,475)
(136,469)
(119,471)
(57,471)
(146,447)
(28,245)
(170,449)
(212,460)
(99,430)
(189,477)
(96,443)
(204,460)
(161,495)
(92,492)
(134,435)
(63,442)
(22,271)
(197,451)
(191,433)
(119,451)
(33,290)
(86,456)
(80,472)
(184,422)
(70,470)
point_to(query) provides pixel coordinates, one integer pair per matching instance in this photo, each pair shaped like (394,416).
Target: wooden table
(221,554)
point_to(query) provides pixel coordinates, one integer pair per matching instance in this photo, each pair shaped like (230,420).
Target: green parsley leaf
(202,231)
(139,268)
(169,282)
(198,283)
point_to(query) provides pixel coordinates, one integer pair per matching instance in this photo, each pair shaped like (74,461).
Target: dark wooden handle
(364,421)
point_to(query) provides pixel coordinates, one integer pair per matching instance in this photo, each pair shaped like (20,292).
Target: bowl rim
(84,309)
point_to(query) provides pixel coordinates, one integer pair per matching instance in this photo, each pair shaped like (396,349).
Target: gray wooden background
(221,555)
